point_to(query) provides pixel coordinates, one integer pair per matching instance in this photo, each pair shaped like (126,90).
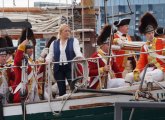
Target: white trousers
(54,89)
(150,76)
(115,82)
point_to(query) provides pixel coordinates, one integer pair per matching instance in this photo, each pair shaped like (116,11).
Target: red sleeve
(17,70)
(80,70)
(18,58)
(93,67)
(143,60)
(159,46)
(11,76)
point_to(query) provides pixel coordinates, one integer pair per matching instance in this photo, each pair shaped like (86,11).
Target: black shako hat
(27,33)
(105,34)
(148,23)
(9,43)
(3,44)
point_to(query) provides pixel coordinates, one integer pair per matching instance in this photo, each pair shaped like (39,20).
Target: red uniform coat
(93,70)
(10,71)
(144,59)
(18,71)
(121,60)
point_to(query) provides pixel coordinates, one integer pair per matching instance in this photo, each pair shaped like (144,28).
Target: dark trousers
(61,75)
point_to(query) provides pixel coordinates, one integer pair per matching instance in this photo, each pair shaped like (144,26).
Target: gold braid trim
(136,74)
(21,47)
(151,59)
(102,54)
(115,40)
(125,59)
(101,70)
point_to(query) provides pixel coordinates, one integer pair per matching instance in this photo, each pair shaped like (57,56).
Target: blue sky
(24,3)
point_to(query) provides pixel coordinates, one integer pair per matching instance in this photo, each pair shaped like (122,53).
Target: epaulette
(10,63)
(115,40)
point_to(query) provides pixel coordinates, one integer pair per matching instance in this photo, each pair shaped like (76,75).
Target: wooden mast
(89,22)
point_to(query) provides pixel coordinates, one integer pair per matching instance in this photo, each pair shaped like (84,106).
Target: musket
(112,37)
(28,37)
(109,54)
(23,90)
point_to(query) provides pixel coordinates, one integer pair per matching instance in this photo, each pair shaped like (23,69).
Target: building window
(150,7)
(42,44)
(138,7)
(121,8)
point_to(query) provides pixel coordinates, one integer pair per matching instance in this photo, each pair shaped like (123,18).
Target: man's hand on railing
(106,68)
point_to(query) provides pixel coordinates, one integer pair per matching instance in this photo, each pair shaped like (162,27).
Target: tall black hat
(27,34)
(159,31)
(3,45)
(148,23)
(121,22)
(48,43)
(9,43)
(105,34)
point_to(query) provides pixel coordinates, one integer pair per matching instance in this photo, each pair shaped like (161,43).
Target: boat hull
(83,106)
(98,113)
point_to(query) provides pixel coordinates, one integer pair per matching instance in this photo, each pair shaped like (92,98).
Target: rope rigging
(123,14)
(110,45)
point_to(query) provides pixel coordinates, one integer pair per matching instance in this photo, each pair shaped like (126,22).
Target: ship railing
(82,61)
(119,106)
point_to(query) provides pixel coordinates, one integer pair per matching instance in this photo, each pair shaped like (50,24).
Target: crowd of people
(25,76)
